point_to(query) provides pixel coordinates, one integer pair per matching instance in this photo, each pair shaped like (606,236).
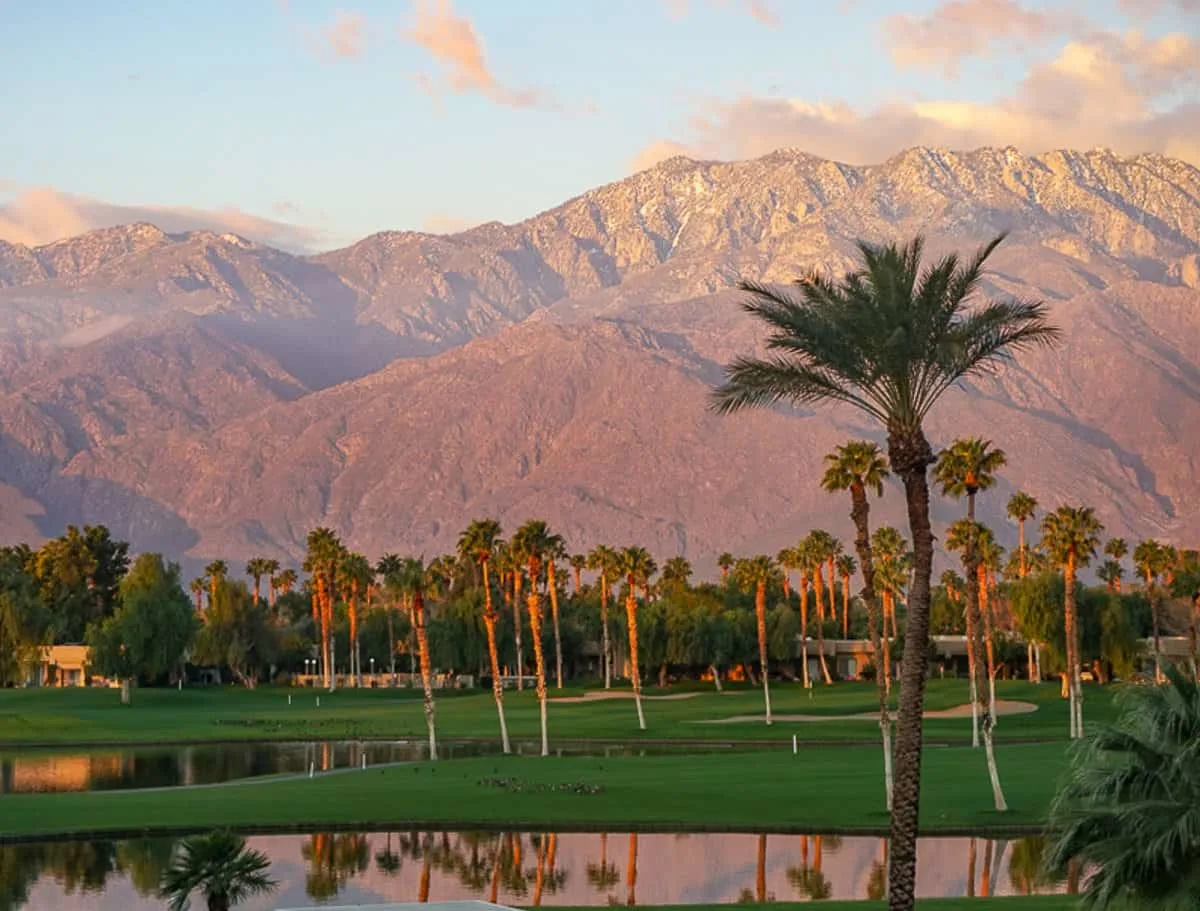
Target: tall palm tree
(221,868)
(805,562)
(1151,559)
(725,564)
(1116,549)
(508,567)
(321,562)
(859,467)
(754,574)
(889,338)
(216,571)
(389,569)
(636,565)
(1021,508)
(556,549)
(847,566)
(1071,535)
(355,575)
(269,568)
(477,543)
(256,568)
(531,545)
(821,549)
(789,560)
(199,587)
(578,565)
(1111,574)
(1127,813)
(965,536)
(284,581)
(413,579)
(676,573)
(603,560)
(833,550)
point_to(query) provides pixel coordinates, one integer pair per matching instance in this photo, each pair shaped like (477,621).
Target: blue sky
(310,124)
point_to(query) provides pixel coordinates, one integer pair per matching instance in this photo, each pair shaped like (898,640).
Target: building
(64,665)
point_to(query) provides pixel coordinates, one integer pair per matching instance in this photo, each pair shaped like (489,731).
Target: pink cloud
(759,10)
(346,35)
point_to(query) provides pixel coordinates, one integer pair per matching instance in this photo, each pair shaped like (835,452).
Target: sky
(309,125)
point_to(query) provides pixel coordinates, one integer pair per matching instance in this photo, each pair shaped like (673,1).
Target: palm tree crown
(478,540)
(752,571)
(219,866)
(858,462)
(1071,532)
(968,466)
(1021,506)
(1117,548)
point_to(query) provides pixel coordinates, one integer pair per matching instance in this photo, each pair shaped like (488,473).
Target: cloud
(446,224)
(1127,92)
(1144,9)
(759,10)
(40,215)
(453,42)
(656,153)
(957,29)
(346,34)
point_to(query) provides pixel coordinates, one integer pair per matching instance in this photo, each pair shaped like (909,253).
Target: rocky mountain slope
(210,396)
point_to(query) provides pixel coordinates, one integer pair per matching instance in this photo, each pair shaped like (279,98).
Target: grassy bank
(1011,903)
(828,790)
(94,717)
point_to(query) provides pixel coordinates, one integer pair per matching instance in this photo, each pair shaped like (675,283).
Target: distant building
(64,665)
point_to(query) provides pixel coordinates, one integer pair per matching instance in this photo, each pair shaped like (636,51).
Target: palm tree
(219,866)
(888,548)
(603,560)
(508,566)
(199,586)
(354,574)
(216,571)
(1021,508)
(578,565)
(478,543)
(636,565)
(822,548)
(806,560)
(1111,573)
(1151,559)
(256,568)
(532,545)
(753,575)
(858,466)
(725,563)
(846,566)
(269,569)
(389,568)
(888,338)
(1071,535)
(556,549)
(965,536)
(788,559)
(284,581)
(676,573)
(321,562)
(1127,812)
(413,580)
(833,550)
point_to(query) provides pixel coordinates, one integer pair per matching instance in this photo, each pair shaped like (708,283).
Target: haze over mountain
(213,397)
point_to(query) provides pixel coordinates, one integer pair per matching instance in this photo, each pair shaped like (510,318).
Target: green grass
(832,790)
(1008,903)
(92,716)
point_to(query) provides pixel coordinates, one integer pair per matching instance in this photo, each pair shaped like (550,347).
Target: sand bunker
(598,695)
(1003,707)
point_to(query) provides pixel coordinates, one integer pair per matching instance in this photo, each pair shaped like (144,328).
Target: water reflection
(534,869)
(158,767)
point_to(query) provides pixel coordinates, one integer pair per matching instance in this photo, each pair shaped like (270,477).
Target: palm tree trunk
(910,456)
(972,670)
(760,879)
(804,630)
(860,514)
(489,622)
(1154,612)
(888,610)
(985,880)
(631,870)
(356,670)
(423,888)
(635,673)
(551,583)
(832,605)
(391,607)
(494,894)
(845,607)
(1072,645)
(418,622)
(985,610)
(819,587)
(517,627)
(540,872)
(971,869)
(1021,546)
(539,661)
(578,579)
(760,613)
(1029,661)
(257,588)
(605,646)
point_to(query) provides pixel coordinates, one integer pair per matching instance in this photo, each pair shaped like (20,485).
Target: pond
(527,869)
(118,768)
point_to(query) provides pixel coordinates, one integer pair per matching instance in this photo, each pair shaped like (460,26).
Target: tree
(788,559)
(888,548)
(477,543)
(1116,549)
(355,576)
(637,566)
(321,563)
(270,568)
(389,570)
(151,630)
(556,550)
(1127,811)
(676,573)
(1071,535)
(24,620)
(256,568)
(199,588)
(216,571)
(889,338)
(846,566)
(754,574)
(822,548)
(1111,573)
(725,564)
(1021,508)
(858,466)
(284,582)
(603,560)
(532,545)
(221,867)
(237,634)
(578,565)
(1151,560)
(966,536)
(413,580)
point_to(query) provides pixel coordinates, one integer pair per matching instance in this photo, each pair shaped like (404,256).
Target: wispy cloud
(345,36)
(957,29)
(40,215)
(454,43)
(1148,8)
(759,10)
(1125,91)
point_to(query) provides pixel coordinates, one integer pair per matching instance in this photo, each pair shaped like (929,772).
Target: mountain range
(207,396)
